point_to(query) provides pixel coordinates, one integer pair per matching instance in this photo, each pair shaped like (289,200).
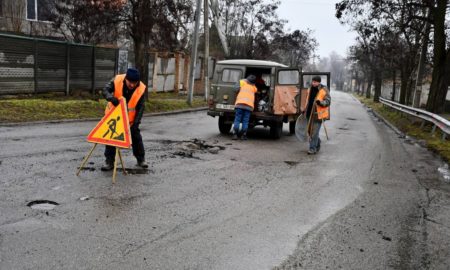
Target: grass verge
(55,108)
(412,127)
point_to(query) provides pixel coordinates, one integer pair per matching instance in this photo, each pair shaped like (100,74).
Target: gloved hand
(114,101)
(318,102)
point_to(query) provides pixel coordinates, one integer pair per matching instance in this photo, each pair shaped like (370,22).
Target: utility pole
(217,18)
(206,27)
(194,54)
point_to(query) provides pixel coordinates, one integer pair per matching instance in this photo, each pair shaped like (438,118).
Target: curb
(377,115)
(97,119)
(389,124)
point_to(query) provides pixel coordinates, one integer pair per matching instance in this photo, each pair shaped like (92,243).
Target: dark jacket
(108,93)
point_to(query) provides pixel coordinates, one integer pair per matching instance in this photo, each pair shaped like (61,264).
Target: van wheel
(224,128)
(292,127)
(276,129)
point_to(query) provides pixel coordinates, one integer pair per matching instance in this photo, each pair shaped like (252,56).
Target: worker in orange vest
(132,89)
(243,107)
(317,111)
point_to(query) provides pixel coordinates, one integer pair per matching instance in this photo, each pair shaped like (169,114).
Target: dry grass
(41,108)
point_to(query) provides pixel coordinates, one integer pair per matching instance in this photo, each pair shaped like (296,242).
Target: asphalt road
(368,200)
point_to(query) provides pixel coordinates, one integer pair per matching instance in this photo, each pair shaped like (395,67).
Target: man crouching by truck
(243,107)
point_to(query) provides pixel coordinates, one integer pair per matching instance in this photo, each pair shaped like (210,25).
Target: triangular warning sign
(113,129)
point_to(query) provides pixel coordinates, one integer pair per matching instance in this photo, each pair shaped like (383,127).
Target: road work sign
(114,128)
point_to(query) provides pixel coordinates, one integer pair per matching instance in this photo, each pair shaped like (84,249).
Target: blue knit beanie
(133,75)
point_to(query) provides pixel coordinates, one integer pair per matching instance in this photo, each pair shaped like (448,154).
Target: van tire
(276,130)
(224,128)
(292,127)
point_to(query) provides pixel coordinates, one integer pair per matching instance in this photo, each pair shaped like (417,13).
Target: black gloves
(114,101)
(318,102)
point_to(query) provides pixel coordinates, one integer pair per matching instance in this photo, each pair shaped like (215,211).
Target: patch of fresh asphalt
(211,203)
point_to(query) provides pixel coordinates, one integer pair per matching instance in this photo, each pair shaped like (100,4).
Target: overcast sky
(318,15)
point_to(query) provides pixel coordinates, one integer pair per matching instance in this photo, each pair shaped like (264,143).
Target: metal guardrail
(438,121)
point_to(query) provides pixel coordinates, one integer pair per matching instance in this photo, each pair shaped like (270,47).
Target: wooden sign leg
(86,159)
(115,166)
(121,161)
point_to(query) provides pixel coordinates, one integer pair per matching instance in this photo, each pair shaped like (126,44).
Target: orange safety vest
(322,112)
(246,94)
(131,104)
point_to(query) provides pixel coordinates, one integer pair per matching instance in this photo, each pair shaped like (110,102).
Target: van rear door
(286,96)
(226,78)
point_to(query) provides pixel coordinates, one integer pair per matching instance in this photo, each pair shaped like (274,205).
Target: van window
(231,75)
(288,77)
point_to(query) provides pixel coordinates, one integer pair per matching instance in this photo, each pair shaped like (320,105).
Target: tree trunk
(409,90)
(394,76)
(369,87)
(141,56)
(378,82)
(403,86)
(439,83)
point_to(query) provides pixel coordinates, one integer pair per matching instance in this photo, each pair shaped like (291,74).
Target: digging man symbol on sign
(112,124)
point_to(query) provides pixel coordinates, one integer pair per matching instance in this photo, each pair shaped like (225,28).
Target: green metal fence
(31,65)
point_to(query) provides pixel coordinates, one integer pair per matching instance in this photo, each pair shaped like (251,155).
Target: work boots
(236,135)
(142,164)
(109,165)
(244,136)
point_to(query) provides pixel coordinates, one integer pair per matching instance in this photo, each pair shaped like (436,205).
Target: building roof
(250,62)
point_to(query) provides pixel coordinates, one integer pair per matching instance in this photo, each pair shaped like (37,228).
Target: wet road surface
(368,198)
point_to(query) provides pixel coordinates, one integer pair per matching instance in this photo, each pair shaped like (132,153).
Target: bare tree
(293,49)
(155,24)
(250,26)
(406,20)
(88,21)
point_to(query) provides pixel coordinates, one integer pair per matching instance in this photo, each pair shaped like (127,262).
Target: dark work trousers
(138,146)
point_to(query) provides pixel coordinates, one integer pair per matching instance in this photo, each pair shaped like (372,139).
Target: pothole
(136,170)
(187,149)
(185,154)
(291,163)
(42,205)
(91,169)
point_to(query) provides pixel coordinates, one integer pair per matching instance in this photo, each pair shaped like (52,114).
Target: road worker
(132,89)
(244,105)
(317,111)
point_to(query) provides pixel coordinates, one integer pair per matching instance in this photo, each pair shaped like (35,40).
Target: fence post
(67,81)
(433,130)
(93,70)
(116,62)
(422,125)
(35,47)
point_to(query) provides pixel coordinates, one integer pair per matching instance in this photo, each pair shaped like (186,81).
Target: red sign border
(127,143)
